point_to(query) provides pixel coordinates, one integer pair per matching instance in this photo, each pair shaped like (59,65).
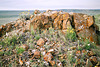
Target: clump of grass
(88,45)
(9,41)
(8,53)
(1,53)
(79,48)
(97,20)
(37,37)
(51,30)
(70,34)
(32,30)
(25,15)
(2,43)
(71,58)
(19,50)
(33,33)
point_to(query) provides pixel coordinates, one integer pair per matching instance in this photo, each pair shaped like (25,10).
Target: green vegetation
(97,20)
(37,37)
(88,45)
(25,15)
(19,50)
(9,41)
(32,30)
(70,34)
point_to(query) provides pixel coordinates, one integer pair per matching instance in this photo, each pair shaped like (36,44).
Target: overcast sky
(48,4)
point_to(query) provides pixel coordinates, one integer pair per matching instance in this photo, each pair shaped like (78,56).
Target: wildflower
(92,42)
(71,31)
(67,30)
(88,44)
(28,10)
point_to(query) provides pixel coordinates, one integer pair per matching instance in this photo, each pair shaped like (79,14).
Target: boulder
(85,27)
(36,54)
(52,63)
(24,46)
(36,12)
(93,59)
(54,15)
(40,42)
(88,33)
(48,57)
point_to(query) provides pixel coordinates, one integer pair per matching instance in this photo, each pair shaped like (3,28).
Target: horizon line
(56,9)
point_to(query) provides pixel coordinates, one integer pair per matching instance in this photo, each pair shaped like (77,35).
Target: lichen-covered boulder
(85,27)
(40,42)
(36,12)
(83,24)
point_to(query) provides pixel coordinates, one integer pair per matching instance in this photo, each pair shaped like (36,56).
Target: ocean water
(9,16)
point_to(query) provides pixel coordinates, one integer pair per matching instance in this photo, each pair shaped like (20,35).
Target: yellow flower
(67,30)
(71,31)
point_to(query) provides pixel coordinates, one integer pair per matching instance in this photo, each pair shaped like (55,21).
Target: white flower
(88,44)
(6,34)
(38,60)
(27,63)
(44,53)
(75,56)
(68,49)
(46,63)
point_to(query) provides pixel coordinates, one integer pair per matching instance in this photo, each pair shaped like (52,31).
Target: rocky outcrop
(83,24)
(16,25)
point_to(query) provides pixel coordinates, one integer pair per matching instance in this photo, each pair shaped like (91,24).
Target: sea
(7,16)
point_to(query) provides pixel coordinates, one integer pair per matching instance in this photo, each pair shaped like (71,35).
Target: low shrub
(70,34)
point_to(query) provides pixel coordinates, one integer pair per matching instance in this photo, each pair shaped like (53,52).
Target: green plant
(25,15)
(79,48)
(70,34)
(10,65)
(10,41)
(37,37)
(89,45)
(2,43)
(97,20)
(8,53)
(32,30)
(51,30)
(1,53)
(19,50)
(31,60)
